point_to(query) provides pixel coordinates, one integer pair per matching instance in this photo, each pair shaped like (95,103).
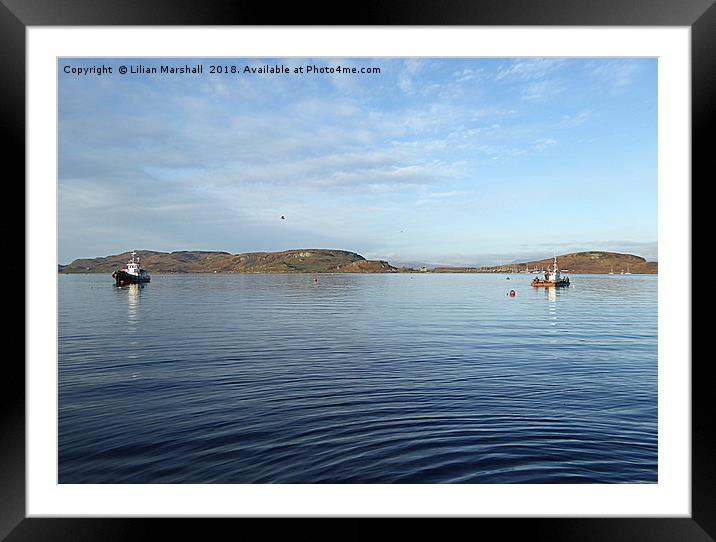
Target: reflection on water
(133,301)
(404,378)
(552,294)
(133,294)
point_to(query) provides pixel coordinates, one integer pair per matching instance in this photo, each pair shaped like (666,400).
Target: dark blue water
(407,378)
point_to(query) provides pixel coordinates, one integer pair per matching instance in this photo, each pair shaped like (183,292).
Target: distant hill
(599,262)
(289,261)
(364,266)
(338,261)
(575,262)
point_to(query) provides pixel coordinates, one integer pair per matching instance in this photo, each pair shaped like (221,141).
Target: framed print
(401,267)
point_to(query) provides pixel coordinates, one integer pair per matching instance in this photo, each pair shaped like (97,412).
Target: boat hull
(122,278)
(550,284)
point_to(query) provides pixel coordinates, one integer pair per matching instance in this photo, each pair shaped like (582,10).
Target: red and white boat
(552,278)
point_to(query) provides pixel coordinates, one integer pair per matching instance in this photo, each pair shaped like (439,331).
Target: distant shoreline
(343,261)
(401,272)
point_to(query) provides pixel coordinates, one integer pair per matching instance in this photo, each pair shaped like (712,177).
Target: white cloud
(467,74)
(411,67)
(576,119)
(540,91)
(617,75)
(544,143)
(528,69)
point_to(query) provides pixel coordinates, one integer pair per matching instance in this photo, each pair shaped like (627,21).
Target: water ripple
(357,379)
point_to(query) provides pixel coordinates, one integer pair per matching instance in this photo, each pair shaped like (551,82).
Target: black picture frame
(17,15)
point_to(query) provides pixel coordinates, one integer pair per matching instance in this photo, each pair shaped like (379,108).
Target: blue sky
(444,161)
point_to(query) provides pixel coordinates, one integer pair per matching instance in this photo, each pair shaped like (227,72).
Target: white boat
(552,278)
(132,274)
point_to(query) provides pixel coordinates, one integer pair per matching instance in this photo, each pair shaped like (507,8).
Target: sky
(453,161)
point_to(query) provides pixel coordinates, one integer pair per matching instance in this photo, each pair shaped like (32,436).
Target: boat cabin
(133,265)
(552,274)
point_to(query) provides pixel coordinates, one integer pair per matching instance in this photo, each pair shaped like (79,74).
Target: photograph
(358,270)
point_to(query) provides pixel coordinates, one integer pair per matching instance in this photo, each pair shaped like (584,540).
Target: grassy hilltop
(338,261)
(599,262)
(576,262)
(288,261)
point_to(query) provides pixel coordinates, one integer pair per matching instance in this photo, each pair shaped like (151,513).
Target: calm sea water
(406,378)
